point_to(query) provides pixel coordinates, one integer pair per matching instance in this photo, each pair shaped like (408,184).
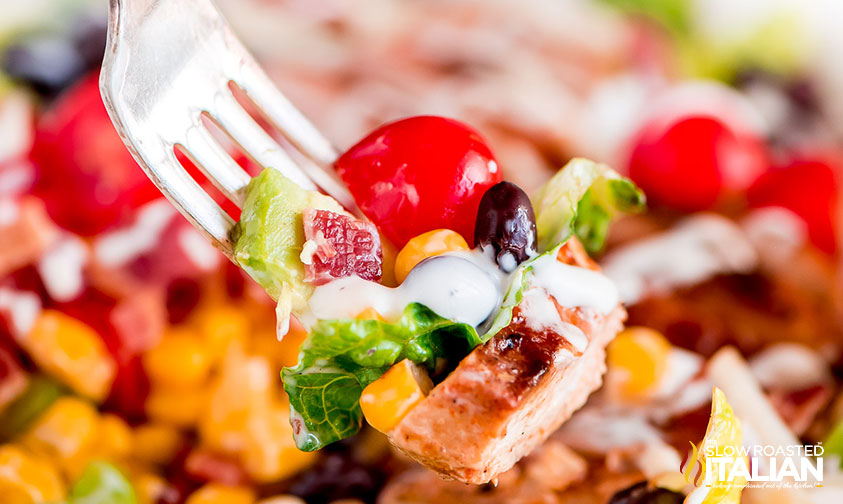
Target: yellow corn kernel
(388,399)
(114,438)
(637,360)
(181,360)
(220,325)
(282,499)
(426,245)
(28,478)
(67,433)
(156,443)
(370,314)
(72,352)
(149,487)
(270,452)
(215,493)
(291,342)
(177,406)
(389,252)
(245,383)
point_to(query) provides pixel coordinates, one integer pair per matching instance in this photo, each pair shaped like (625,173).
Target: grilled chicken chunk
(510,394)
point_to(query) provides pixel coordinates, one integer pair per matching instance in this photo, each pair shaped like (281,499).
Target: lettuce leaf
(102,483)
(581,199)
(340,357)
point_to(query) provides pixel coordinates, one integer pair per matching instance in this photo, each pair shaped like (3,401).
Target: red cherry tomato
(807,187)
(420,174)
(86,176)
(689,163)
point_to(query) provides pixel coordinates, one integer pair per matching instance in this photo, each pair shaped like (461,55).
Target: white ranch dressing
(453,287)
(573,286)
(468,287)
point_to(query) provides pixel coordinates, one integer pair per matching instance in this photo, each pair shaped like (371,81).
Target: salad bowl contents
(498,319)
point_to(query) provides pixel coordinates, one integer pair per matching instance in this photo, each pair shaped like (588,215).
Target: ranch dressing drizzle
(574,287)
(465,287)
(453,287)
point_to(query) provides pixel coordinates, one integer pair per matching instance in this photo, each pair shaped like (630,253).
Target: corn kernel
(291,342)
(72,352)
(270,452)
(149,488)
(114,439)
(215,493)
(426,245)
(181,360)
(370,314)
(66,433)
(27,478)
(282,499)
(389,252)
(156,443)
(220,325)
(637,360)
(177,406)
(388,399)
(245,383)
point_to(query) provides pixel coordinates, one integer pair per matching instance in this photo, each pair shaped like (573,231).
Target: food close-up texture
(589,247)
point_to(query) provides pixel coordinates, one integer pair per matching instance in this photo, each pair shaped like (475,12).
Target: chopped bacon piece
(338,246)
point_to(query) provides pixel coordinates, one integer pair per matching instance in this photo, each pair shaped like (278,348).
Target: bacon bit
(26,224)
(205,465)
(338,246)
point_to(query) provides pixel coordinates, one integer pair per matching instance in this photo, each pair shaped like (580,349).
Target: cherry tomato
(689,163)
(86,176)
(419,174)
(807,187)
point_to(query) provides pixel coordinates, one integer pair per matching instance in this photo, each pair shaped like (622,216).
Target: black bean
(337,476)
(89,35)
(641,493)
(506,222)
(46,63)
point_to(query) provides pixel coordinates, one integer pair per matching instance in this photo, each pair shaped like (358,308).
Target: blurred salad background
(138,365)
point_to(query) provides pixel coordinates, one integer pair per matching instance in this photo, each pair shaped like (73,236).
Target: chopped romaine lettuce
(102,483)
(834,444)
(581,199)
(340,357)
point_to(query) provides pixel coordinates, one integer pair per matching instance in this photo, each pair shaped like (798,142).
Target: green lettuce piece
(581,199)
(675,15)
(834,443)
(270,235)
(101,483)
(340,357)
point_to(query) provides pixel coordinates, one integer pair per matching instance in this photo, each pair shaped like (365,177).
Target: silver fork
(167,64)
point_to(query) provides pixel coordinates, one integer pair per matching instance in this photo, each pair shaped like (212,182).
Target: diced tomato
(205,465)
(687,164)
(341,247)
(807,187)
(85,174)
(419,174)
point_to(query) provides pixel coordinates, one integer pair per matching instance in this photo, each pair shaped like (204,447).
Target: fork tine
(256,142)
(216,163)
(285,116)
(185,193)
(298,130)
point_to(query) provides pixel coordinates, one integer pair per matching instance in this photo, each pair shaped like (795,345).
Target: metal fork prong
(178,186)
(285,116)
(210,157)
(245,131)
